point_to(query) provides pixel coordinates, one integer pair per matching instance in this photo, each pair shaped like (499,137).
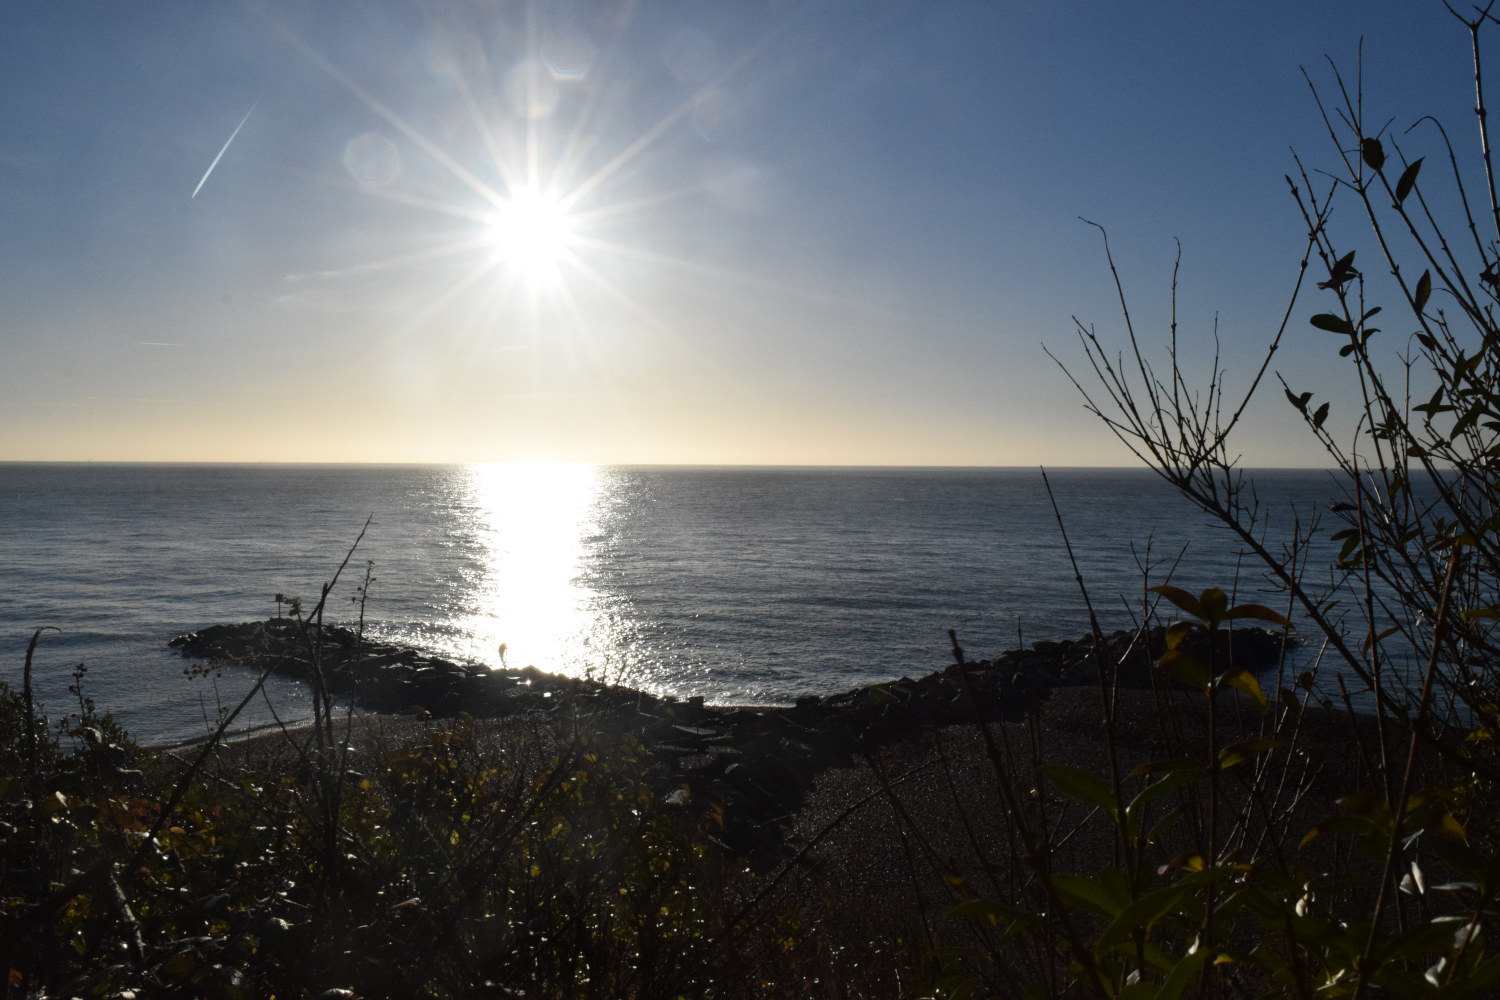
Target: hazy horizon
(1047,467)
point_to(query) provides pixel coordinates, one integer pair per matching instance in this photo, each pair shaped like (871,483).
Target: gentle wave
(740,585)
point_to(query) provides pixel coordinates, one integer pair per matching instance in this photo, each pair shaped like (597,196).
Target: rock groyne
(753,765)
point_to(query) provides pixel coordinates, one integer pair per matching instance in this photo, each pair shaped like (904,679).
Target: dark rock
(756,765)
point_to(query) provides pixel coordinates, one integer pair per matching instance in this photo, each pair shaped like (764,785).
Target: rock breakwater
(754,766)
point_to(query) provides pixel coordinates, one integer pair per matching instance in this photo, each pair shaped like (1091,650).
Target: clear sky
(758,231)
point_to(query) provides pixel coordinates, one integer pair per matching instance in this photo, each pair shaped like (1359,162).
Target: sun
(532,233)
(543,206)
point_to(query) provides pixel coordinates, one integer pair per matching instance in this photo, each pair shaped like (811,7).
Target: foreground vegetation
(1405,902)
(546,865)
(1226,840)
(541,857)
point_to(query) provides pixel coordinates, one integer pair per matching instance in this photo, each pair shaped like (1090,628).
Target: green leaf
(1373,153)
(1352,540)
(1341,273)
(1183,975)
(1365,803)
(1183,772)
(1088,892)
(1320,416)
(1214,604)
(1481,981)
(1431,938)
(1408,178)
(1434,405)
(1183,667)
(1332,323)
(1168,821)
(1082,787)
(1466,421)
(1465,860)
(1142,913)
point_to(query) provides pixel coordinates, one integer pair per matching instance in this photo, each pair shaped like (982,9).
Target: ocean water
(745,586)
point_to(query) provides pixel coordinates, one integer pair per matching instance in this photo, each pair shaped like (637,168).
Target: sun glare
(531,233)
(533,521)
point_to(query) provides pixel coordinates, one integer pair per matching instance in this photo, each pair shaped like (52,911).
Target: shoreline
(758,764)
(389,678)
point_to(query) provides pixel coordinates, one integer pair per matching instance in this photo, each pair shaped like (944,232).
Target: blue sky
(827,232)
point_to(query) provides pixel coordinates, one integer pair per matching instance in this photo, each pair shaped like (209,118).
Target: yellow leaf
(1237,752)
(1452,827)
(1176,632)
(1244,681)
(1259,612)
(1181,598)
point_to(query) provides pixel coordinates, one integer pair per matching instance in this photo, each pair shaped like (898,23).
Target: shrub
(1221,884)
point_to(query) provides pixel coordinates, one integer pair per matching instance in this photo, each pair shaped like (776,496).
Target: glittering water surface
(742,585)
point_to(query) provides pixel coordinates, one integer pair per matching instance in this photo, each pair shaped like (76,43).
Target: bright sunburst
(531,233)
(554,208)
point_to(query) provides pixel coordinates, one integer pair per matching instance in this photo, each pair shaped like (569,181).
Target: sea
(746,586)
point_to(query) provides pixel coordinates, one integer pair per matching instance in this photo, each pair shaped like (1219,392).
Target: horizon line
(621,465)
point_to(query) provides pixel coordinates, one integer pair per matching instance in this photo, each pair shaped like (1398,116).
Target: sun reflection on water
(533,524)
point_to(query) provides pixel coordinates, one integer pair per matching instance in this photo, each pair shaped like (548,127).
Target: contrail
(222,151)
